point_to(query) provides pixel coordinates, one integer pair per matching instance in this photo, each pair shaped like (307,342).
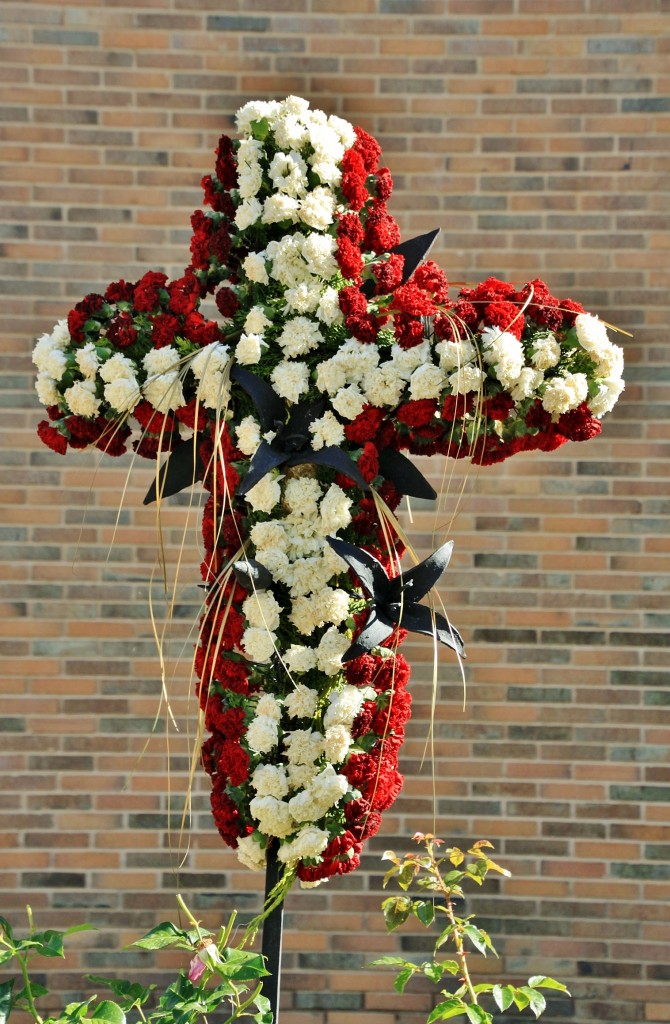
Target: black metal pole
(272,934)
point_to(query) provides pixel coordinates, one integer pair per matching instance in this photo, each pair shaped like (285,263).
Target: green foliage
(220,978)
(444,875)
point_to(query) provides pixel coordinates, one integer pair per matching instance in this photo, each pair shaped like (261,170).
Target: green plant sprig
(443,875)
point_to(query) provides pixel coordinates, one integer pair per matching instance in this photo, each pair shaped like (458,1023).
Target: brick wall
(532,133)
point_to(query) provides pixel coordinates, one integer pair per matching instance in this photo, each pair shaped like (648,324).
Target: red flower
(381,230)
(383,791)
(234,762)
(186,414)
(489,290)
(395,715)
(570,310)
(150,446)
(226,815)
(147,294)
(122,331)
(226,166)
(538,417)
(352,301)
(497,407)
(349,258)
(391,673)
(419,413)
(413,301)
(184,294)
(364,428)
(384,186)
(579,424)
(163,331)
(388,273)
(359,671)
(200,331)
(52,437)
(349,226)
(368,462)
(409,331)
(362,723)
(506,316)
(455,406)
(368,148)
(354,177)
(119,291)
(227,302)
(432,278)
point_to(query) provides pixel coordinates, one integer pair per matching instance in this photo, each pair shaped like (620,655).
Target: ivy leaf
(107,1012)
(540,981)
(5,998)
(446,1010)
(163,935)
(504,996)
(425,911)
(403,977)
(396,911)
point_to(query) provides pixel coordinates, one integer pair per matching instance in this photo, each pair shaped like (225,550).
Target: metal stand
(272,935)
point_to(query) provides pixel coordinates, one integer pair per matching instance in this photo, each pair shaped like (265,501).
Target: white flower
(591,333)
(249,152)
(317,209)
(270,780)
(279,207)
(318,252)
(337,742)
(344,705)
(268,535)
(348,402)
(605,400)
(273,816)
(384,385)
(427,382)
(248,212)
(262,734)
(248,435)
(249,179)
(258,644)
(164,391)
(47,392)
(326,431)
(290,132)
(303,298)
(87,359)
(262,610)
(254,268)
(304,614)
(288,173)
(209,360)
(545,352)
(264,495)
(466,379)
(344,130)
(48,354)
(324,790)
(303,746)
(330,650)
(302,701)
(328,309)
(299,336)
(309,843)
(251,853)
(255,110)
(610,362)
(291,380)
(122,394)
(256,321)
(300,775)
(81,398)
(275,561)
(564,393)
(335,510)
(453,354)
(302,494)
(407,360)
(249,349)
(526,384)
(331,376)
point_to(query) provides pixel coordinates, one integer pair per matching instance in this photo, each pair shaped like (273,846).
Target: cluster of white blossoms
(608,357)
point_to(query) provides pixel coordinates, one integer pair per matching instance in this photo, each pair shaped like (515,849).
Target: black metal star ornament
(395,599)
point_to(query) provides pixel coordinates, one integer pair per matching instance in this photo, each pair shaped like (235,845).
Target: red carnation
(388,273)
(352,301)
(368,148)
(354,177)
(506,316)
(365,426)
(381,230)
(119,291)
(234,762)
(538,417)
(226,815)
(419,413)
(368,462)
(384,186)
(52,437)
(498,407)
(184,294)
(489,290)
(570,310)
(395,715)
(76,320)
(384,790)
(200,331)
(413,301)
(349,258)
(150,446)
(349,226)
(122,331)
(152,420)
(226,166)
(579,424)
(227,302)
(409,331)
(164,330)
(359,671)
(147,294)
(456,406)
(187,414)
(432,279)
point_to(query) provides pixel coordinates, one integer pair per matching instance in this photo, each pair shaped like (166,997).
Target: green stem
(457,932)
(189,915)
(23,966)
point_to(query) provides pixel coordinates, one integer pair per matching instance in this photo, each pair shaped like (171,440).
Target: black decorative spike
(414,250)
(252,574)
(182,468)
(404,475)
(418,580)
(369,570)
(375,631)
(266,458)
(417,618)
(269,406)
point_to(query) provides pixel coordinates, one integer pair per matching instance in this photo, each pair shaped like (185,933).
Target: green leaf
(433,970)
(521,1000)
(7,928)
(5,998)
(540,981)
(403,977)
(6,955)
(48,943)
(260,129)
(536,1000)
(36,990)
(444,936)
(390,961)
(452,966)
(79,928)
(241,965)
(163,935)
(108,1012)
(132,992)
(504,996)
(476,1015)
(446,1010)
(479,938)
(396,910)
(425,911)
(406,876)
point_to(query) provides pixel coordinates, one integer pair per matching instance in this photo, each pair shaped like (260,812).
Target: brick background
(534,133)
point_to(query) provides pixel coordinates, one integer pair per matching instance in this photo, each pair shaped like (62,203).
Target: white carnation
(87,359)
(335,510)
(248,433)
(333,605)
(270,780)
(454,354)
(326,431)
(209,360)
(324,790)
(300,775)
(427,382)
(330,650)
(275,561)
(122,394)
(164,391)
(384,385)
(279,207)
(308,844)
(349,402)
(248,212)
(344,705)
(249,179)
(256,321)
(591,333)
(302,701)
(288,173)
(81,399)
(526,384)
(269,707)
(344,130)
(249,349)
(317,209)
(337,742)
(262,735)
(564,393)
(303,298)
(290,132)
(303,746)
(48,356)
(606,398)
(302,494)
(545,352)
(268,535)
(47,392)
(273,816)
(262,610)
(610,361)
(328,309)
(299,336)
(466,379)
(258,644)
(318,252)
(254,110)
(254,268)
(291,380)
(251,853)
(264,495)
